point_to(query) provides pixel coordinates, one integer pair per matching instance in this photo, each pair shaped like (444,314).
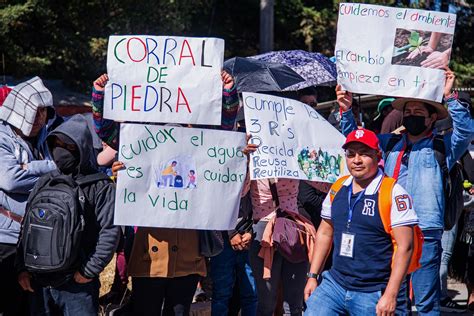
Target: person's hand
(116,166)
(420,50)
(344,98)
(386,305)
(250,148)
(436,60)
(310,287)
(471,191)
(99,83)
(449,83)
(24,278)
(246,240)
(227,80)
(236,242)
(79,278)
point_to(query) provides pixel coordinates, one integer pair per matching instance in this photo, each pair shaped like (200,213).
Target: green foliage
(68,39)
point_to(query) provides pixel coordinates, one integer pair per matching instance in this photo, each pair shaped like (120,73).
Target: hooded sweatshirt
(101,236)
(19,168)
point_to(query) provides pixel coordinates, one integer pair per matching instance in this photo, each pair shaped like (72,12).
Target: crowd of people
(374,242)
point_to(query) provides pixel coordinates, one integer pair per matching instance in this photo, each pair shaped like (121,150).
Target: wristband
(313,275)
(451,97)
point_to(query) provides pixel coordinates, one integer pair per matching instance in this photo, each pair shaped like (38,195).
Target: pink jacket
(267,250)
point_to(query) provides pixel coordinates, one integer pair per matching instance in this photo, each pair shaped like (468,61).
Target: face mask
(65,160)
(415,124)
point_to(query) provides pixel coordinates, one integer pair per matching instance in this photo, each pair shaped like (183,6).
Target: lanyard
(351,207)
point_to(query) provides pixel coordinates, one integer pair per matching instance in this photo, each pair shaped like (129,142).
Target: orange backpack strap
(336,186)
(385,209)
(385,202)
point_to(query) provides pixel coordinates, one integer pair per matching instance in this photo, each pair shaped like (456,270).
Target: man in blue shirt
(412,161)
(364,279)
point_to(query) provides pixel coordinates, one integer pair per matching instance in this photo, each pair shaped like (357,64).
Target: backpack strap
(440,155)
(392,141)
(92,178)
(336,186)
(385,209)
(273,189)
(385,202)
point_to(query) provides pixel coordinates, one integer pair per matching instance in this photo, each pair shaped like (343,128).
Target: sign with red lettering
(164,79)
(393,51)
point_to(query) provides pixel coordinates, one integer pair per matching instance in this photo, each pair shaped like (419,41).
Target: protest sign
(393,51)
(164,79)
(179,177)
(294,140)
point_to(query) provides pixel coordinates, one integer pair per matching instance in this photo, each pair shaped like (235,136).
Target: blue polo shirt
(370,267)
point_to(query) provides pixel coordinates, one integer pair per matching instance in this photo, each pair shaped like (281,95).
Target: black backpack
(54,222)
(452,180)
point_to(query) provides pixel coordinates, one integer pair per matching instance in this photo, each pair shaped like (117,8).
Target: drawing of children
(168,174)
(191,179)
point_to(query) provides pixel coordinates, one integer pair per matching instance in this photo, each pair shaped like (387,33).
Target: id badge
(347,245)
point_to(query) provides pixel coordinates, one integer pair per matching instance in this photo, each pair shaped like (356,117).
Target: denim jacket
(424,181)
(16,181)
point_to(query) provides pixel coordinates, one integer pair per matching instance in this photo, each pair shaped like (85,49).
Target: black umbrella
(253,75)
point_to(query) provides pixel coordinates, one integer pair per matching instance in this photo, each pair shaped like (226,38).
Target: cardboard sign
(295,141)
(164,79)
(179,177)
(393,51)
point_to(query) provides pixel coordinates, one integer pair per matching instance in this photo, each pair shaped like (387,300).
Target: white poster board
(179,177)
(294,140)
(164,79)
(393,51)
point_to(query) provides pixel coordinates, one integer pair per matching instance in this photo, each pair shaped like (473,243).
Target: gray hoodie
(19,172)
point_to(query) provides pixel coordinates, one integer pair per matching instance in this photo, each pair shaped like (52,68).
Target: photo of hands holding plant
(421,48)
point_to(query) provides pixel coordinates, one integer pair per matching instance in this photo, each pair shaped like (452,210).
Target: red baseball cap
(363,136)
(4,91)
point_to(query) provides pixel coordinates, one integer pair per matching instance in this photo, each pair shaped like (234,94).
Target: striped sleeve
(107,130)
(230,106)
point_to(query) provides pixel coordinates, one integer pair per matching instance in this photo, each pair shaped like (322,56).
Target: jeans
(150,294)
(228,268)
(447,243)
(69,299)
(330,298)
(425,280)
(292,277)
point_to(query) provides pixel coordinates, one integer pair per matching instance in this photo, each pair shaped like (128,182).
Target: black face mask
(65,160)
(415,124)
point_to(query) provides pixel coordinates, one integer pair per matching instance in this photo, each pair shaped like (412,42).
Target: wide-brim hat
(400,103)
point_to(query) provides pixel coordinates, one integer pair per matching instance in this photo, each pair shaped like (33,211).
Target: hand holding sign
(344,98)
(448,86)
(227,80)
(101,82)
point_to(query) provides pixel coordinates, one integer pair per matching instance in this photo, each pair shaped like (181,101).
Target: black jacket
(101,236)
